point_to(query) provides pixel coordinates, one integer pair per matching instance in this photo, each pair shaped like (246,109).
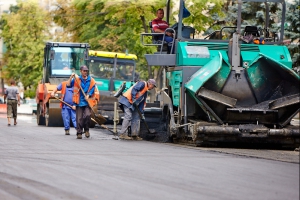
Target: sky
(4,4)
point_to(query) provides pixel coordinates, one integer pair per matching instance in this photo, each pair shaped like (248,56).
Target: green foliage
(116,25)
(29,93)
(109,26)
(203,13)
(253,14)
(292,31)
(24,33)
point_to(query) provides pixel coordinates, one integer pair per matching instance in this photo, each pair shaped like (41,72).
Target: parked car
(1,100)
(32,104)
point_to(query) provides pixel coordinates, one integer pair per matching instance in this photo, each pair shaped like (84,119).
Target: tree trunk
(144,24)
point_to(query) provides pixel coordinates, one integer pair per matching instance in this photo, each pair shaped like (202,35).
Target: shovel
(99,119)
(150,131)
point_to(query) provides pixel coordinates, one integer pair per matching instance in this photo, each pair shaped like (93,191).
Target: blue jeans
(169,40)
(68,114)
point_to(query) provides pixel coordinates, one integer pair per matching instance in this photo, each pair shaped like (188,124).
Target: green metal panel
(204,74)
(217,82)
(249,52)
(257,75)
(184,60)
(214,49)
(102,84)
(278,53)
(175,78)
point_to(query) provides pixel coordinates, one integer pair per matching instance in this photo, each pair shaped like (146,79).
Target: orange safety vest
(127,94)
(93,100)
(63,91)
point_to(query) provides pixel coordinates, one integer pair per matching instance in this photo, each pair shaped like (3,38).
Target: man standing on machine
(134,98)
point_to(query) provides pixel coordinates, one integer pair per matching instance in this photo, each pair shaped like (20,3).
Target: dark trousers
(83,118)
(169,40)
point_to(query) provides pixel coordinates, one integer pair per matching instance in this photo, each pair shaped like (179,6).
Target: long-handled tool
(150,131)
(105,127)
(63,102)
(99,119)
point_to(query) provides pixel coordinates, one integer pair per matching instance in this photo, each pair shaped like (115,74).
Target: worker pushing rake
(85,96)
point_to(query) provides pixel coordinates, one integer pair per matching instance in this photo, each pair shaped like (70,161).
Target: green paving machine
(236,90)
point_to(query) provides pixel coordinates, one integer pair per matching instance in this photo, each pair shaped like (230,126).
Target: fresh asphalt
(38,162)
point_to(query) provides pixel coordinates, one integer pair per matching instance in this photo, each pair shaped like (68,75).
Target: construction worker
(68,109)
(134,98)
(13,100)
(86,84)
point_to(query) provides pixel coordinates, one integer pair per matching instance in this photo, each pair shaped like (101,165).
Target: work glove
(135,103)
(143,117)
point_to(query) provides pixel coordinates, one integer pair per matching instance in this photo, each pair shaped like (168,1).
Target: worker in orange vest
(133,98)
(67,112)
(83,109)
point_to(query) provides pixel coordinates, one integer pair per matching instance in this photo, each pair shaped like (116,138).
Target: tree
(109,26)
(203,13)
(24,32)
(253,14)
(81,20)
(292,31)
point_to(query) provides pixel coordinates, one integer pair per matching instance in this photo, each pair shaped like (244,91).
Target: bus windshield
(104,68)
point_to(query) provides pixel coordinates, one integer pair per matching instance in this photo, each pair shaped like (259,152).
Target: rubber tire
(39,118)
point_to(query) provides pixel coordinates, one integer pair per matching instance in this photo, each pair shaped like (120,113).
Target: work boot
(121,136)
(137,138)
(124,137)
(79,136)
(67,132)
(87,134)
(127,137)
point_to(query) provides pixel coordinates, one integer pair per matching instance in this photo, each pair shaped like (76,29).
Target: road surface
(39,162)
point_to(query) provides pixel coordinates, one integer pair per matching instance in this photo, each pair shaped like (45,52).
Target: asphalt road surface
(39,162)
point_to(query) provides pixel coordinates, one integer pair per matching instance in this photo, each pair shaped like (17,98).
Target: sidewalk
(22,109)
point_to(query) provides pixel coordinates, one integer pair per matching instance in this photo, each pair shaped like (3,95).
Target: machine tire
(47,116)
(39,117)
(53,117)
(168,118)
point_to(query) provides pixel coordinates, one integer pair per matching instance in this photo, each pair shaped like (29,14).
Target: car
(1,100)
(32,104)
